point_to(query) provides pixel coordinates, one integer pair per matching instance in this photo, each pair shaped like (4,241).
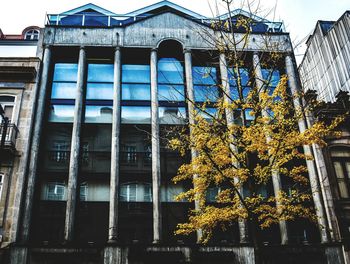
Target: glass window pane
(63,90)
(136,115)
(99,91)
(204,75)
(170,70)
(61,113)
(136,92)
(172,115)
(343,189)
(208,113)
(234,92)
(136,73)
(65,72)
(271,76)
(347,166)
(98,114)
(244,74)
(100,73)
(171,93)
(205,93)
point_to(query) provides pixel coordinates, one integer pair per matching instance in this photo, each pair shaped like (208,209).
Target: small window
(32,34)
(55,191)
(136,192)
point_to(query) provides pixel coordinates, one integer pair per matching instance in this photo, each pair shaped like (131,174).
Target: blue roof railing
(101,20)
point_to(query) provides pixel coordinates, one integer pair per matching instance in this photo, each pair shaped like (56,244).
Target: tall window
(204,82)
(63,92)
(341,162)
(99,93)
(1,183)
(7,103)
(136,94)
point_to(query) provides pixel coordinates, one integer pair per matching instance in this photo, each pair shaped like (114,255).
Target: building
(19,67)
(97,186)
(325,75)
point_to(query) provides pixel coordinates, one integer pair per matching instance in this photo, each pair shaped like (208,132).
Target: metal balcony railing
(97,20)
(8,136)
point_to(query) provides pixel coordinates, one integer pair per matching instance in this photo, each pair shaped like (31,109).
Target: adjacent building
(19,68)
(325,75)
(94,180)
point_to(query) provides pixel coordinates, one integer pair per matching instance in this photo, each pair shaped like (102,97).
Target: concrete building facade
(95,185)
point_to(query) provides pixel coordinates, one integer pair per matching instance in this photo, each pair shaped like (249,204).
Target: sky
(299,16)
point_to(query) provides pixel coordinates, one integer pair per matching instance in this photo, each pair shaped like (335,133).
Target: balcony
(100,161)
(8,136)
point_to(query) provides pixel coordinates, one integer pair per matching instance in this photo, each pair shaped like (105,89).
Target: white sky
(299,16)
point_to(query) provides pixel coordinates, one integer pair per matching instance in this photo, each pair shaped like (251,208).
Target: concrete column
(75,149)
(242,223)
(114,184)
(33,162)
(315,188)
(157,217)
(191,117)
(276,179)
(325,187)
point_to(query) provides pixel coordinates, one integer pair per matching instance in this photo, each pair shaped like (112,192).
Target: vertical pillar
(114,181)
(191,108)
(75,149)
(32,172)
(157,217)
(276,179)
(315,188)
(242,223)
(325,187)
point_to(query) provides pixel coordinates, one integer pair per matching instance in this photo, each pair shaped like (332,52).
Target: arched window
(341,163)
(7,103)
(32,34)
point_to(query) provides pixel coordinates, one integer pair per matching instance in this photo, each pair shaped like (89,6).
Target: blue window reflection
(136,73)
(136,92)
(98,114)
(99,91)
(205,93)
(61,113)
(204,75)
(235,93)
(172,115)
(170,70)
(136,115)
(65,72)
(207,113)
(100,73)
(271,78)
(233,77)
(63,90)
(171,93)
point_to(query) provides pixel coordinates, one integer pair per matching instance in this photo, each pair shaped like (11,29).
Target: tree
(251,141)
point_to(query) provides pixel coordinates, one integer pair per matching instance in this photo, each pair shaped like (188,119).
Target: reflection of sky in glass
(244,74)
(63,90)
(136,73)
(100,72)
(272,76)
(171,93)
(136,114)
(234,92)
(98,114)
(172,115)
(207,113)
(205,93)
(65,72)
(136,92)
(204,75)
(170,70)
(101,91)
(61,113)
